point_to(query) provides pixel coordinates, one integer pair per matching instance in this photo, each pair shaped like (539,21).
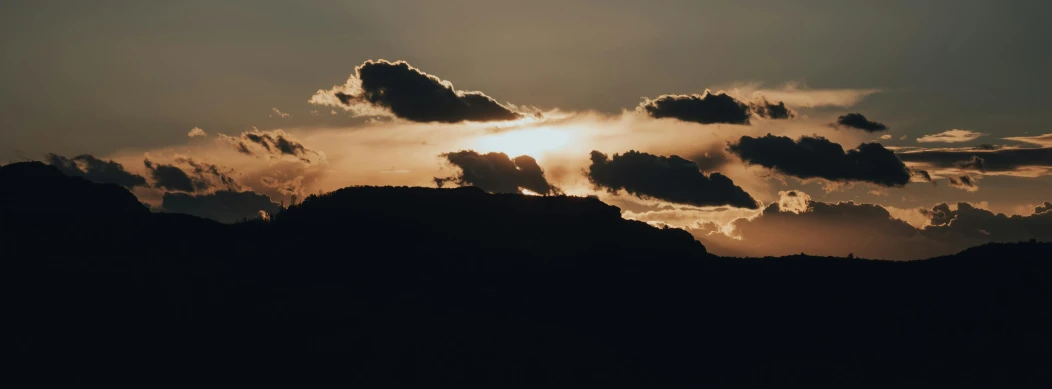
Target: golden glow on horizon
(532,141)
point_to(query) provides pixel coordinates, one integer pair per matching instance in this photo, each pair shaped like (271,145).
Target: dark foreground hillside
(414,287)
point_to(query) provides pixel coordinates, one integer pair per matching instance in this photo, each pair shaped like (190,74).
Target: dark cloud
(922,174)
(170,177)
(858,121)
(939,214)
(1000,160)
(965,182)
(973,163)
(96,170)
(1047,206)
(707,108)
(495,172)
(273,144)
(224,206)
(209,173)
(672,179)
(408,93)
(817,157)
(197,177)
(764,108)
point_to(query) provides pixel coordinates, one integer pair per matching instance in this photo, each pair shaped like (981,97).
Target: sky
(935,84)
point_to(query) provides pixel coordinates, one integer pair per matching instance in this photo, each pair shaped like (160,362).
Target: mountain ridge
(416,287)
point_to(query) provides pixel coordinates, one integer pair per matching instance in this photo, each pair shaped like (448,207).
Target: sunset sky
(753,122)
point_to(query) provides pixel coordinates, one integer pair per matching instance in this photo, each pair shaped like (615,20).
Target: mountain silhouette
(423,287)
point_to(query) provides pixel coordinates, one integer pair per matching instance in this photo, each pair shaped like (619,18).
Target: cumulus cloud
(96,170)
(860,122)
(671,179)
(398,89)
(712,108)
(950,136)
(196,177)
(225,206)
(272,144)
(1040,140)
(817,157)
(497,173)
(196,132)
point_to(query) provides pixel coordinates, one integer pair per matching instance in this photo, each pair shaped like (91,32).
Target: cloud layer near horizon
(867,230)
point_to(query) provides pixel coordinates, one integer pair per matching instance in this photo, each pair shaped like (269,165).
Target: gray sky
(98,76)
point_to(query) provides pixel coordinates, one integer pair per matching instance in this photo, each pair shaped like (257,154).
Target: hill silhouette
(418,287)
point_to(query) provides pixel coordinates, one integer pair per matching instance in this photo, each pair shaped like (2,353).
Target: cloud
(273,144)
(290,187)
(170,177)
(1003,161)
(858,121)
(766,109)
(225,206)
(970,226)
(797,224)
(196,132)
(1040,140)
(96,170)
(973,163)
(923,175)
(278,113)
(1047,206)
(712,158)
(671,179)
(950,136)
(885,137)
(817,157)
(965,182)
(867,230)
(398,89)
(799,95)
(197,177)
(712,108)
(496,173)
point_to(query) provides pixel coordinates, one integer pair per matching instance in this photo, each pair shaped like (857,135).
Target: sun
(531,141)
